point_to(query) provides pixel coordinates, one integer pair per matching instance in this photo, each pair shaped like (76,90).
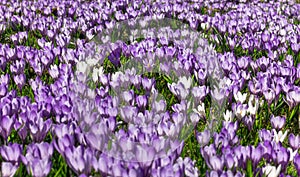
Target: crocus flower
(279,136)
(265,135)
(203,138)
(11,153)
(249,121)
(252,109)
(141,101)
(200,110)
(271,171)
(38,127)
(218,95)
(297,163)
(228,116)
(201,75)
(54,71)
(6,123)
(79,159)
(292,153)
(8,169)
(240,110)
(37,159)
(200,92)
(293,97)
(97,72)
(277,122)
(187,82)
(269,95)
(294,141)
(179,90)
(114,57)
(216,163)
(20,80)
(240,97)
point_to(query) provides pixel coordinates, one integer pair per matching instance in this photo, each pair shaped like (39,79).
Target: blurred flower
(8,169)
(187,82)
(200,92)
(293,97)
(97,72)
(203,138)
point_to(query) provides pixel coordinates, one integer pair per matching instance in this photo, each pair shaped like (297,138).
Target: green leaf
(249,168)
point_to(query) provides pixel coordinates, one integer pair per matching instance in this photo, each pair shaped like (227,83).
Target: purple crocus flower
(38,127)
(243,62)
(216,163)
(6,123)
(62,143)
(3,62)
(249,121)
(297,163)
(277,122)
(179,90)
(200,92)
(203,138)
(147,83)
(293,97)
(141,101)
(114,57)
(256,154)
(265,135)
(37,159)
(294,141)
(20,80)
(8,169)
(201,76)
(269,95)
(54,71)
(11,153)
(79,159)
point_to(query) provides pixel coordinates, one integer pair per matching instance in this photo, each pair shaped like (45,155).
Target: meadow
(149,88)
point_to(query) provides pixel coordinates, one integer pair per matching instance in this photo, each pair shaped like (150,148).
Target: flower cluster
(193,88)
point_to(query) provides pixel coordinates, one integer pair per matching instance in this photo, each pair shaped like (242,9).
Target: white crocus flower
(279,136)
(97,72)
(82,67)
(187,82)
(200,110)
(228,116)
(240,97)
(271,171)
(252,109)
(116,76)
(53,71)
(92,61)
(292,153)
